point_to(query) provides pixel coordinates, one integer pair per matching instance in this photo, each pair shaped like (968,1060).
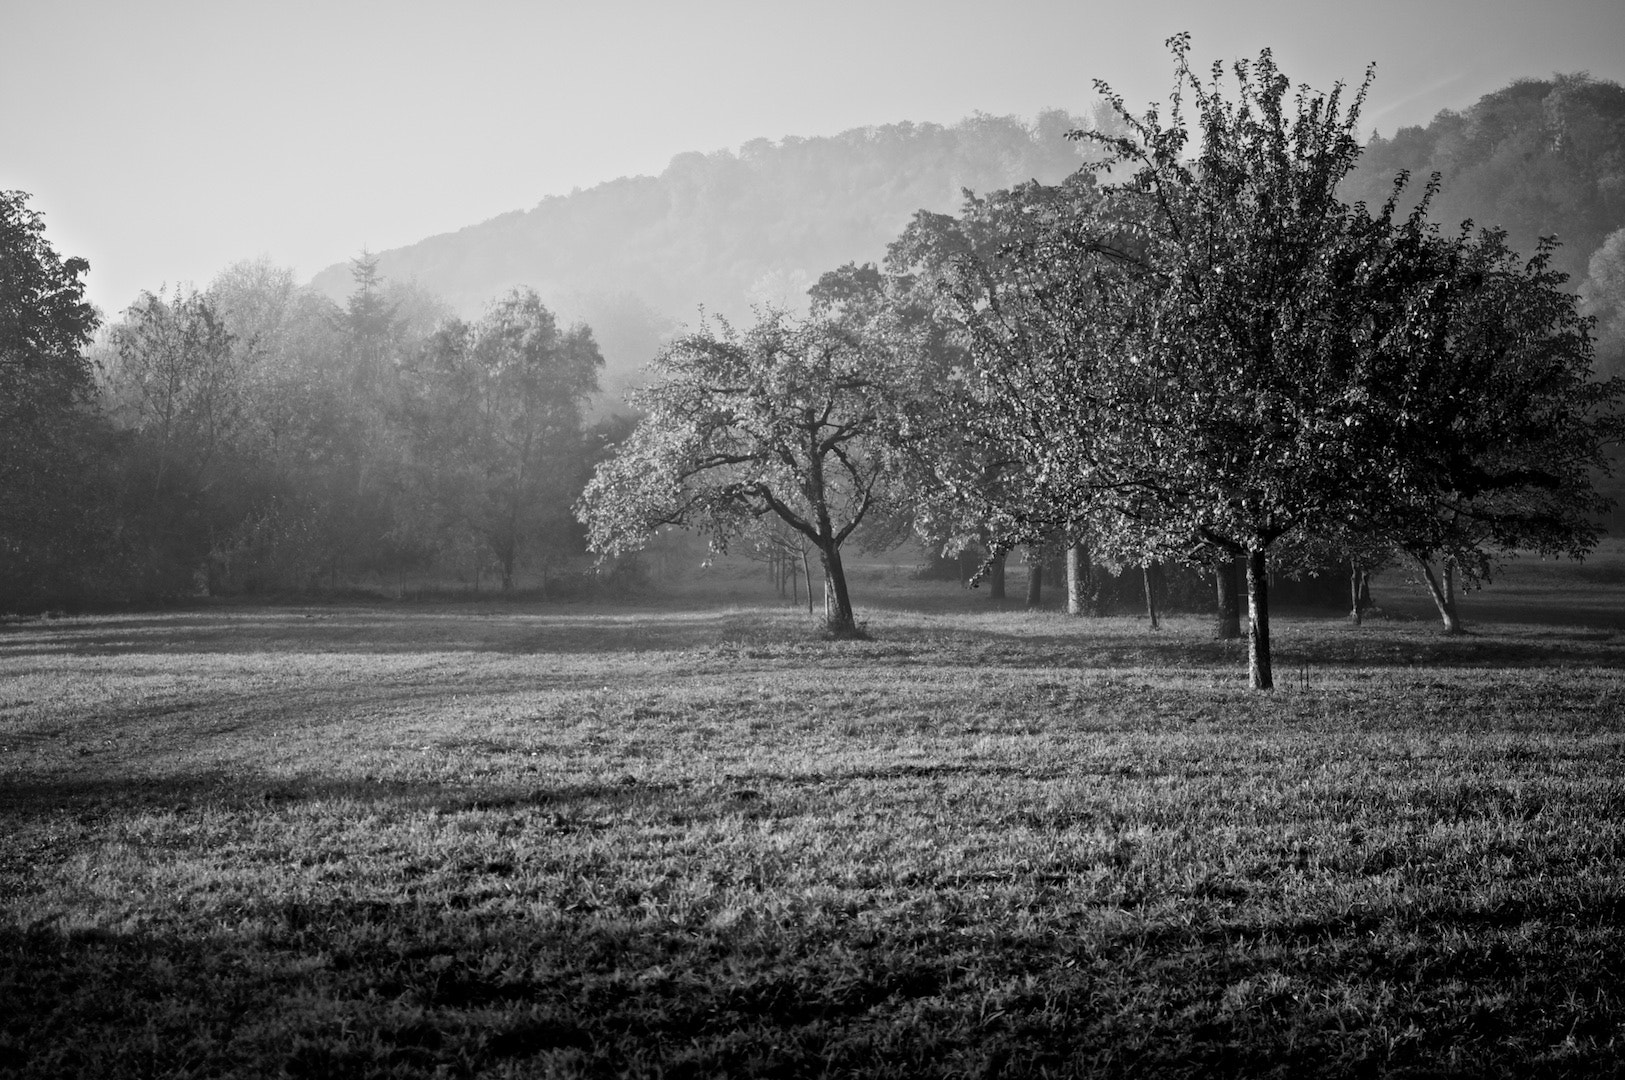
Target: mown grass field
(692,840)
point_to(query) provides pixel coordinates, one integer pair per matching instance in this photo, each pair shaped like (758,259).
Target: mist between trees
(1197,354)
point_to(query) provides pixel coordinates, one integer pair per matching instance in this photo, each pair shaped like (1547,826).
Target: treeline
(1541,157)
(256,437)
(1200,353)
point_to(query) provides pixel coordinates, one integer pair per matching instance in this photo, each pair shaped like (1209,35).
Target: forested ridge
(1539,157)
(637,256)
(725,227)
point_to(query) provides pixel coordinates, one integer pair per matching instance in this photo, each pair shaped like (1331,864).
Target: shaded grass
(666,841)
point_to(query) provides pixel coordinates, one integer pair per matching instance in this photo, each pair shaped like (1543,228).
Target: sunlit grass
(685,840)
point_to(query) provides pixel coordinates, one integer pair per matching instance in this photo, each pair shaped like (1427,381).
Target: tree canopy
(1217,352)
(494,415)
(45,326)
(803,419)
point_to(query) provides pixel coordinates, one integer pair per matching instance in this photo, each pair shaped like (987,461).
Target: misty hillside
(636,256)
(1538,157)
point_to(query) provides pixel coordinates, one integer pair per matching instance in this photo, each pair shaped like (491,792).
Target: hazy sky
(164,139)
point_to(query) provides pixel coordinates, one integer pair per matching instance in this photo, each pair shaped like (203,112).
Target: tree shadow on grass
(1323,644)
(234,791)
(395,631)
(733,636)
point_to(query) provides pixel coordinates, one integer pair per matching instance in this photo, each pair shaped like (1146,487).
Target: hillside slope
(1538,157)
(635,257)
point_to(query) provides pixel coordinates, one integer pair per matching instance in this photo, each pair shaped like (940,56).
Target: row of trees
(1215,359)
(1212,359)
(255,436)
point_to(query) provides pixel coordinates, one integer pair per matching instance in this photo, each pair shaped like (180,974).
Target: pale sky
(166,139)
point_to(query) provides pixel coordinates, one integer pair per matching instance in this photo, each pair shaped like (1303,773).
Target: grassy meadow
(693,838)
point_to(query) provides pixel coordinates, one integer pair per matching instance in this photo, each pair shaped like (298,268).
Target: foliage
(45,380)
(494,413)
(174,378)
(1540,157)
(802,419)
(46,321)
(1216,353)
(1032,332)
(1488,427)
(256,437)
(1604,299)
(191,399)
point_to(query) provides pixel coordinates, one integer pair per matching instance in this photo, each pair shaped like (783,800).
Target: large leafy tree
(1211,355)
(494,416)
(174,383)
(1482,418)
(175,379)
(1028,276)
(1231,415)
(45,322)
(45,325)
(1304,364)
(798,419)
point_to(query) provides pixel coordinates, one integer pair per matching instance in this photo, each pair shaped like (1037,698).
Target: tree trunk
(1149,573)
(1444,595)
(806,573)
(1227,623)
(1078,570)
(838,618)
(1357,608)
(995,579)
(1258,621)
(1035,581)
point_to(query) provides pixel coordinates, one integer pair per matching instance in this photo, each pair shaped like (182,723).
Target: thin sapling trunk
(1148,573)
(1227,623)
